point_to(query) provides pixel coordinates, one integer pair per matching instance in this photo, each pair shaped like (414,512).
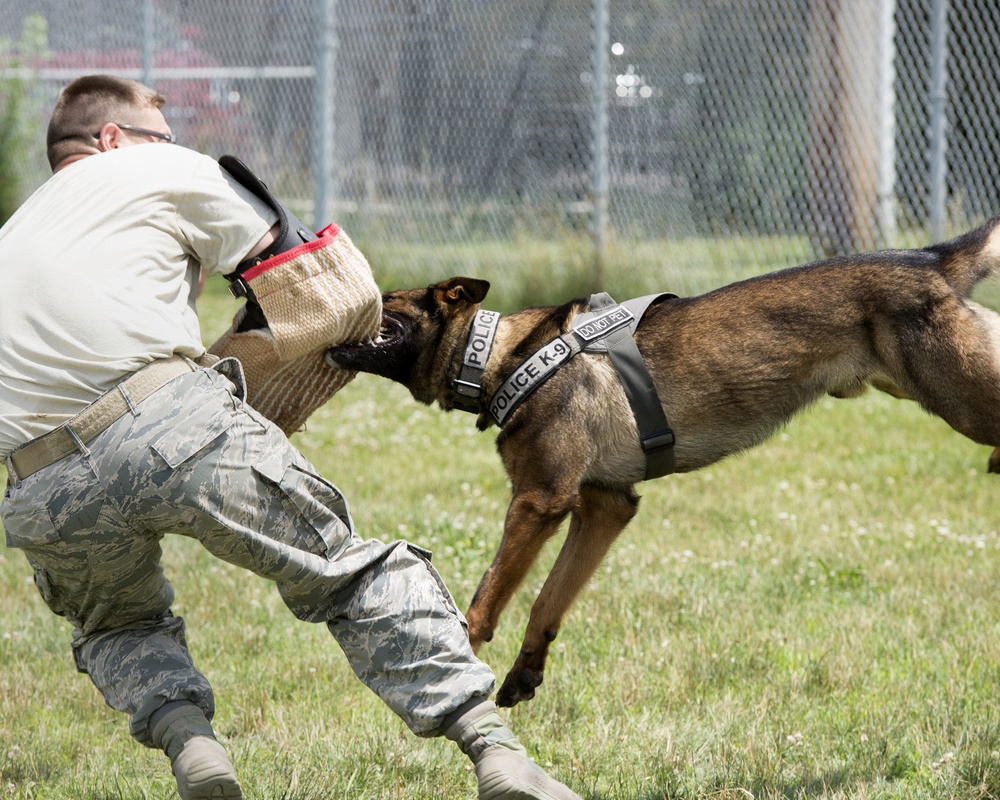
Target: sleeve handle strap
(292,231)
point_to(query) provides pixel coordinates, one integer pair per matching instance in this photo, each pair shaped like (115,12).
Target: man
(116,430)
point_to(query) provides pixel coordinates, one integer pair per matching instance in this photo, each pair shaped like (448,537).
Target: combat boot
(200,764)
(503,769)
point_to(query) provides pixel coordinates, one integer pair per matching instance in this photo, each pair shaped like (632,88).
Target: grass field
(817,618)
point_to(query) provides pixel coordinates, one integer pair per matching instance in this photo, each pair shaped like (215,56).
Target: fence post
(324,182)
(844,126)
(599,146)
(148,42)
(938,143)
(887,204)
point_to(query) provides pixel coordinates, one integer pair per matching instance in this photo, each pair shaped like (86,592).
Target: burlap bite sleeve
(288,390)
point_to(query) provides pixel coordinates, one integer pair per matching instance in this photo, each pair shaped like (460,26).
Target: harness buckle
(466,388)
(657,439)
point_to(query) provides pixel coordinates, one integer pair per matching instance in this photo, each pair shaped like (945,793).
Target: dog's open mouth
(390,334)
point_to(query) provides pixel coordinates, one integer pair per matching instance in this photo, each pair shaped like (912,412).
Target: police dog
(730,367)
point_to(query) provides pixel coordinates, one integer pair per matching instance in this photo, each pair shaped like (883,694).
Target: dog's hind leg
(952,367)
(601,516)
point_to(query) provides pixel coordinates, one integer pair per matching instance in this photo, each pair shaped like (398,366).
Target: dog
(730,367)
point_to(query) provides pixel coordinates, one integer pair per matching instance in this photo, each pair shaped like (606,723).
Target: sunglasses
(165,137)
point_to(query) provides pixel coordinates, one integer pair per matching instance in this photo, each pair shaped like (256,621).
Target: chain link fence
(778,130)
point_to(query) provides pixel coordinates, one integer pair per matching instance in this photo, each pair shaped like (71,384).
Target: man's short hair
(86,105)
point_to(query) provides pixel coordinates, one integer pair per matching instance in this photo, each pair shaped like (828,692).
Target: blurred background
(763,131)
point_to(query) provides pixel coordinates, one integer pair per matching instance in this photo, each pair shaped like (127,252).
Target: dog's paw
(520,684)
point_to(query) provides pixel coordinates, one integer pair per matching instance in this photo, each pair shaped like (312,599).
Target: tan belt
(95,418)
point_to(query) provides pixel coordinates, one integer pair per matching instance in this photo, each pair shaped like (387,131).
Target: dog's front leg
(596,523)
(533,516)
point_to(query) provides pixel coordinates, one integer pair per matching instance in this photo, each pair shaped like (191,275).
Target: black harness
(607,327)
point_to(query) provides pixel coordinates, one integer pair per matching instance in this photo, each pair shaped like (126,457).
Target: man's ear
(109,137)
(454,290)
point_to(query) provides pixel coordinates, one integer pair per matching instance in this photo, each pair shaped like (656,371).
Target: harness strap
(543,362)
(655,435)
(607,327)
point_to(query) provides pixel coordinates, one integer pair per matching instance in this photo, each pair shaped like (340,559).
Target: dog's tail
(969,258)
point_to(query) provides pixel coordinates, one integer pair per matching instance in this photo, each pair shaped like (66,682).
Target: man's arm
(265,241)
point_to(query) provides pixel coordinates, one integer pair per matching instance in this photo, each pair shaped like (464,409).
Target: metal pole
(599,188)
(887,128)
(148,42)
(938,136)
(324,180)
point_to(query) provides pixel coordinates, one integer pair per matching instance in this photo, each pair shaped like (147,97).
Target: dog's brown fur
(730,366)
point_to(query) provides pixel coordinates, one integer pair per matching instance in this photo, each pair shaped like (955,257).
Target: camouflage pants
(193,460)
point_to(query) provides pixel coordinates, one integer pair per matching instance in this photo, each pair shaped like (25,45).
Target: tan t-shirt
(98,271)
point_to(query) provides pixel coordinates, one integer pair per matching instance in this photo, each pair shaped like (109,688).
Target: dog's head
(421,331)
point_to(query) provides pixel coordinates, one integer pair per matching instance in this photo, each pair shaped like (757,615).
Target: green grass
(533,272)
(817,618)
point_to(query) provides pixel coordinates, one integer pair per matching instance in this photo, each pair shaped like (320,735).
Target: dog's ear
(454,290)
